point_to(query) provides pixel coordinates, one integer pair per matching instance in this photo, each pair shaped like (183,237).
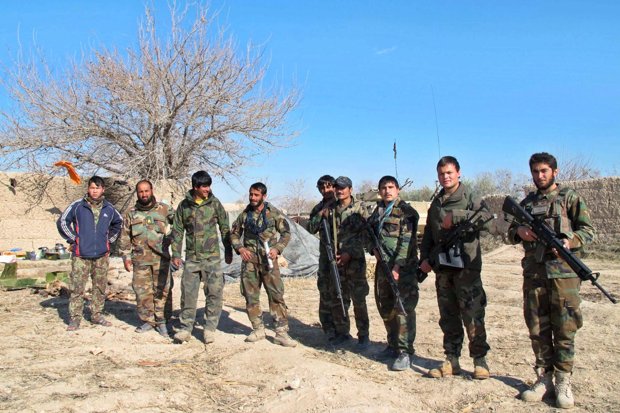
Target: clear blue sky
(509,77)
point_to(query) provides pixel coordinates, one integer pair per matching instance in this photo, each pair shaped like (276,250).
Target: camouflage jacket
(199,223)
(276,224)
(314,223)
(397,232)
(567,214)
(350,222)
(145,236)
(462,204)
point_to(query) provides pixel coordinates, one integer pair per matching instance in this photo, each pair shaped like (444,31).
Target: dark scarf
(250,224)
(148,206)
(94,202)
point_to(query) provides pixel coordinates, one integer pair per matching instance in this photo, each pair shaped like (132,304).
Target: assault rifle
(549,239)
(448,249)
(333,267)
(383,263)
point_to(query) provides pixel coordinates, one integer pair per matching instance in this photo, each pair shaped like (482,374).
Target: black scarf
(146,207)
(250,224)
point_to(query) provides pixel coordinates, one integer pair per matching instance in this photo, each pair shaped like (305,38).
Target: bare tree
(296,202)
(158,110)
(577,169)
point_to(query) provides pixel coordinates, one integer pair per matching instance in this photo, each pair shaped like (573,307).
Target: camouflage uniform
(460,294)
(396,229)
(199,222)
(350,222)
(550,287)
(257,272)
(144,241)
(323,281)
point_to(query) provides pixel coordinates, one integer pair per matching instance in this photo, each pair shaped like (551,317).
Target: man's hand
(343,259)
(396,272)
(425,267)
(447,221)
(128,265)
(566,244)
(245,254)
(526,233)
(324,212)
(273,253)
(177,262)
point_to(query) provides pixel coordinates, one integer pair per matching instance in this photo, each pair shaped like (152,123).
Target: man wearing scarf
(395,224)
(89,225)
(145,245)
(259,224)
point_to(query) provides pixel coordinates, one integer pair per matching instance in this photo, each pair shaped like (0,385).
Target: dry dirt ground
(43,368)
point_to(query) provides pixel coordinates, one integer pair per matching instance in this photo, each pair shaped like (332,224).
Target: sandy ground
(43,368)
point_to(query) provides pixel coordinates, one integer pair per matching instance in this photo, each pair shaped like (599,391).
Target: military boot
(541,388)
(257,334)
(182,336)
(481,369)
(208,336)
(563,392)
(449,367)
(162,329)
(282,338)
(402,362)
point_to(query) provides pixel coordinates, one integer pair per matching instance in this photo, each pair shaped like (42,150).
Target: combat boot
(541,388)
(74,324)
(282,338)
(162,329)
(449,367)
(208,336)
(563,392)
(481,369)
(402,362)
(256,335)
(182,336)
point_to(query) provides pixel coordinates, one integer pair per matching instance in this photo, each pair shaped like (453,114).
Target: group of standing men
(260,233)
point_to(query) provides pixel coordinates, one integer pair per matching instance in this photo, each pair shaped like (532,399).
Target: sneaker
(74,324)
(99,320)
(256,335)
(363,342)
(144,328)
(208,336)
(339,339)
(402,362)
(162,329)
(543,386)
(282,338)
(182,336)
(449,367)
(563,392)
(481,369)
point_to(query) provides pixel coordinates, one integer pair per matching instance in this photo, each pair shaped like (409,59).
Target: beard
(147,201)
(545,187)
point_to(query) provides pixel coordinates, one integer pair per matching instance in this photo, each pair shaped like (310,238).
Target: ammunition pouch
(451,258)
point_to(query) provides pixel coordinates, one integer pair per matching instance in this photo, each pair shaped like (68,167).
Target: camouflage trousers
(255,274)
(152,283)
(462,302)
(210,273)
(400,328)
(552,315)
(81,270)
(324,285)
(354,289)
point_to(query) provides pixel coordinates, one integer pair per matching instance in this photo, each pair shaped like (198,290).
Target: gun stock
(550,239)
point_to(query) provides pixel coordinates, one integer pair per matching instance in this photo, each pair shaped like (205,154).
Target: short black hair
(97,180)
(544,157)
(144,181)
(447,160)
(325,179)
(388,178)
(259,186)
(201,178)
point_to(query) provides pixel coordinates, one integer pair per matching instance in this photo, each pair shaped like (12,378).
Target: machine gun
(448,249)
(550,240)
(333,267)
(383,263)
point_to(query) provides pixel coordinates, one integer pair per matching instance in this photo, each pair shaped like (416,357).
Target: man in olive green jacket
(198,216)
